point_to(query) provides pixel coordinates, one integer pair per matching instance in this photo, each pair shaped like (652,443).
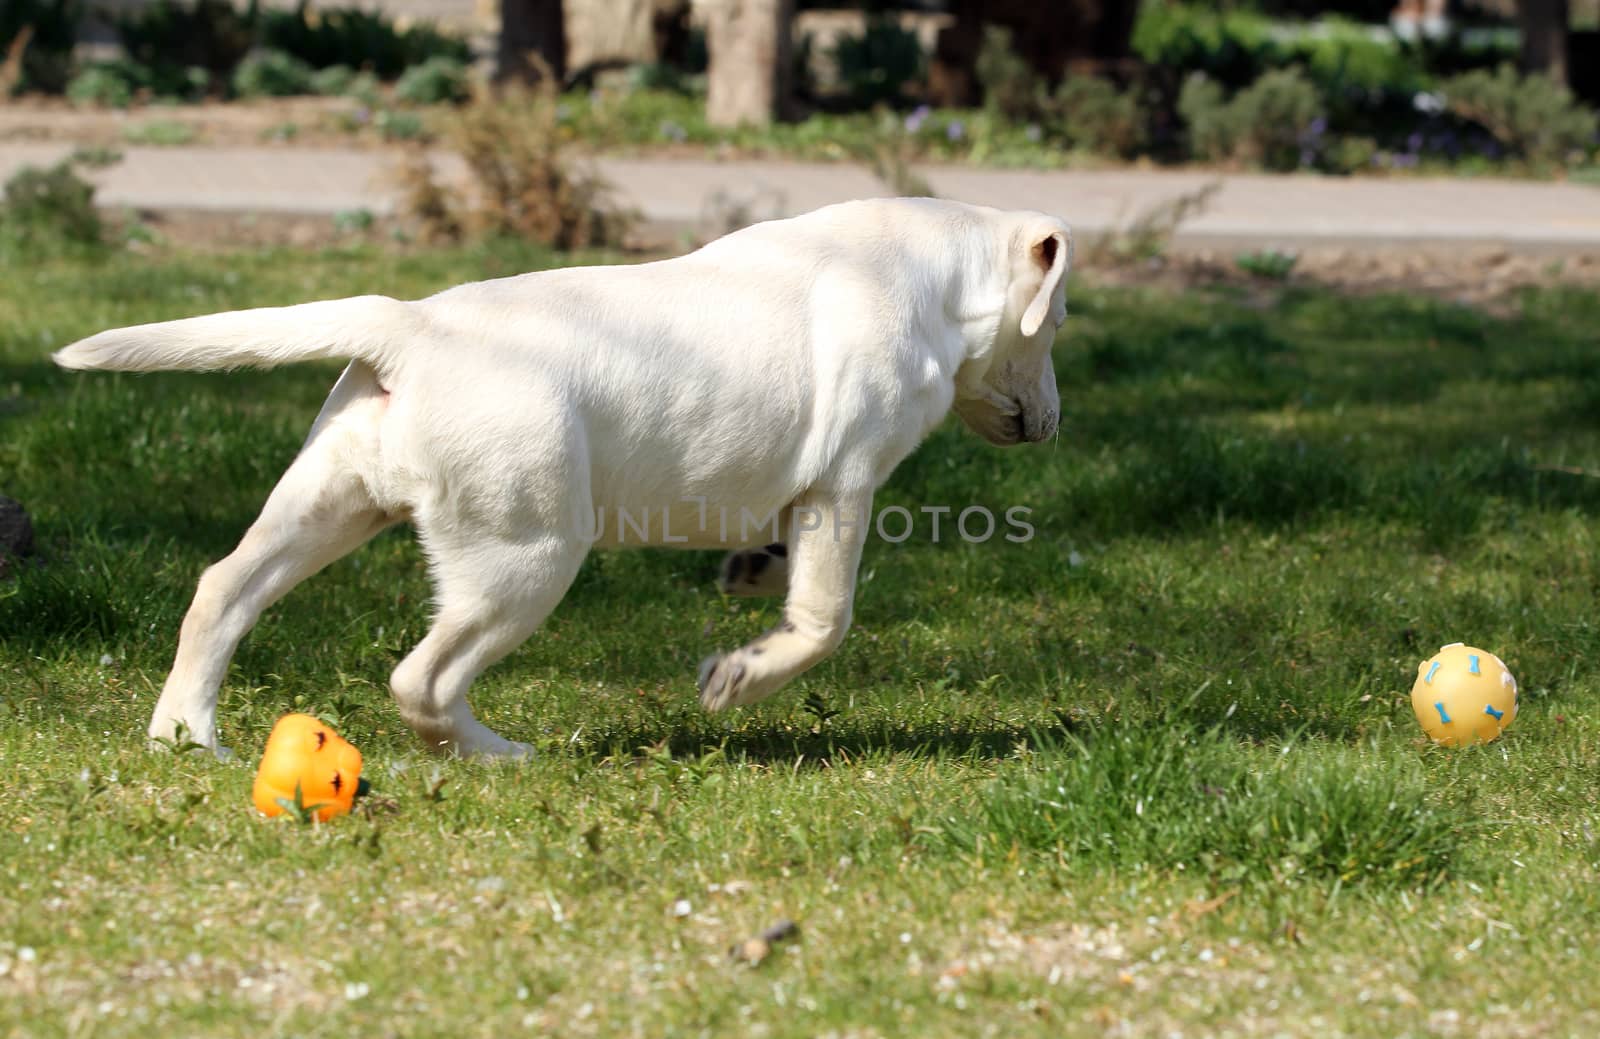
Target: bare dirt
(1492,279)
(325,121)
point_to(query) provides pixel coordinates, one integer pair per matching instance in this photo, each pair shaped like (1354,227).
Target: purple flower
(1414,142)
(1318,127)
(918,116)
(955,131)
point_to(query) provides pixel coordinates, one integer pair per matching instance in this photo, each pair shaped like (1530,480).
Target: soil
(325,121)
(1491,279)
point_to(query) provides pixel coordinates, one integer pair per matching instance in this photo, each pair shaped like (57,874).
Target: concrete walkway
(1248,211)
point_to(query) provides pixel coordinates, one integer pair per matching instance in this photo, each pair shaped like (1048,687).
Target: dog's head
(1006,390)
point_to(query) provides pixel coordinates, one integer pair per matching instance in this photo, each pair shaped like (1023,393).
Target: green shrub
(1271,264)
(104,84)
(1091,113)
(366,89)
(662,76)
(1349,153)
(333,81)
(875,66)
(116,83)
(357,38)
(52,27)
(1204,109)
(436,81)
(398,126)
(1263,124)
(272,74)
(162,133)
(1343,56)
(44,209)
(1233,47)
(171,40)
(1274,114)
(1010,86)
(1532,116)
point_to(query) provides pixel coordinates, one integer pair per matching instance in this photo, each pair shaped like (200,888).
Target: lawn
(1152,772)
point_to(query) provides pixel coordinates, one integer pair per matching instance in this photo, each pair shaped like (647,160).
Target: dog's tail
(368,328)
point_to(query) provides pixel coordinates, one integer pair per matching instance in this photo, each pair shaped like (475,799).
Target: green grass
(166,133)
(1154,770)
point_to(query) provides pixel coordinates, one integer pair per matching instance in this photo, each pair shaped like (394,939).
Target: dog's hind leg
(320,510)
(823,558)
(493,592)
(755,571)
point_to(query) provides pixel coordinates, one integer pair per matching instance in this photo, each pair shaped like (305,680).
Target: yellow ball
(1464,695)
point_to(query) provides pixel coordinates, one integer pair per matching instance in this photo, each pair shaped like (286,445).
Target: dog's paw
(493,748)
(735,679)
(755,571)
(225,755)
(177,737)
(722,680)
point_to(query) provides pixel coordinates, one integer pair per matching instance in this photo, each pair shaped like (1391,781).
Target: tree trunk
(748,46)
(1544,37)
(529,27)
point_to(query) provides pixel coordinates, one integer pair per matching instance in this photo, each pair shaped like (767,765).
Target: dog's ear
(1049,258)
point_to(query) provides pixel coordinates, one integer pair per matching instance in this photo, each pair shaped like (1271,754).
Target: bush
(104,84)
(333,81)
(875,66)
(1010,87)
(1274,115)
(45,209)
(116,83)
(398,126)
(272,74)
(1367,82)
(436,81)
(171,40)
(357,38)
(46,55)
(1204,109)
(1264,124)
(523,185)
(1090,113)
(1533,116)
(1233,47)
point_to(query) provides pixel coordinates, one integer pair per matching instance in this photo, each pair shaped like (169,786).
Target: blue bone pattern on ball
(1440,708)
(1472,664)
(1489,710)
(1431,672)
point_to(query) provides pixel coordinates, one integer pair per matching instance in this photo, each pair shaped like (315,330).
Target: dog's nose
(1039,427)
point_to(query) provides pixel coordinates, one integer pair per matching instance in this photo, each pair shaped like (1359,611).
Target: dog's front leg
(825,537)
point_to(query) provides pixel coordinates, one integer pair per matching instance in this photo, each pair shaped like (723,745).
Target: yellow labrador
(782,371)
